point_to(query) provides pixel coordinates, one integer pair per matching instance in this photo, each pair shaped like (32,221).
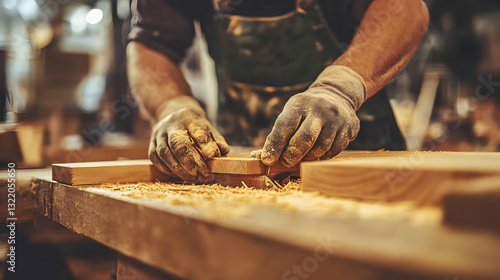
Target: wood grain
(423,177)
(266,243)
(87,173)
(124,171)
(236,165)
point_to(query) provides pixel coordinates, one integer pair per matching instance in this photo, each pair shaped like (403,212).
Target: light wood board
(424,177)
(87,173)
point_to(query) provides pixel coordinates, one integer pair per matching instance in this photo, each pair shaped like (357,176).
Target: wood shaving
(228,201)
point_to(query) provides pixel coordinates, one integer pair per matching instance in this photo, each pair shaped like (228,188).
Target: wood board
(423,177)
(87,173)
(268,242)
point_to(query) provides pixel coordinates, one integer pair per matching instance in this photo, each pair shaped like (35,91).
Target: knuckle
(161,148)
(355,124)
(320,150)
(179,146)
(293,154)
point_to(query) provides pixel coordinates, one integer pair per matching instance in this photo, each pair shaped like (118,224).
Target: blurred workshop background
(64,95)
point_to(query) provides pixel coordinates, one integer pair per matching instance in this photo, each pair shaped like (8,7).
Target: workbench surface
(213,232)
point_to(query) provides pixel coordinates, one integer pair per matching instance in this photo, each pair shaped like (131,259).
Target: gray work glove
(183,139)
(320,122)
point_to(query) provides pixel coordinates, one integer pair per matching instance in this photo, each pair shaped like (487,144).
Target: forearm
(154,79)
(389,34)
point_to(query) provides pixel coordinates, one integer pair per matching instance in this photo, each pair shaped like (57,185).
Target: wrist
(343,82)
(178,103)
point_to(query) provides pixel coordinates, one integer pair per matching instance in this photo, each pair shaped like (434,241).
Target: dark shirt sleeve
(166,26)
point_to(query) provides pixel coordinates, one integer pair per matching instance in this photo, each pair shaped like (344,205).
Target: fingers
(256,154)
(302,141)
(221,142)
(155,159)
(163,153)
(284,128)
(340,143)
(183,149)
(323,143)
(202,136)
(209,140)
(342,139)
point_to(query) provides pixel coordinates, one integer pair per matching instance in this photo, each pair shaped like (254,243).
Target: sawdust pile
(227,201)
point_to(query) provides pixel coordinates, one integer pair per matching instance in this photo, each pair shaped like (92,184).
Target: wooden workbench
(348,240)
(265,234)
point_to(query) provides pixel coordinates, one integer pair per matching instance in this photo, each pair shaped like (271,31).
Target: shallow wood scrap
(423,177)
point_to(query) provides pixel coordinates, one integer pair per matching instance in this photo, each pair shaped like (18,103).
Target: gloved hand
(183,139)
(320,122)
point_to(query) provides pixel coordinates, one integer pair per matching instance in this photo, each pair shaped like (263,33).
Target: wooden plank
(271,242)
(423,177)
(87,173)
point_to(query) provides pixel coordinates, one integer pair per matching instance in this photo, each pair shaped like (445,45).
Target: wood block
(241,163)
(87,173)
(124,171)
(424,177)
(236,165)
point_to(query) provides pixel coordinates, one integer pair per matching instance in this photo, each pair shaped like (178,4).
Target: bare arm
(389,34)
(154,78)
(320,122)
(182,138)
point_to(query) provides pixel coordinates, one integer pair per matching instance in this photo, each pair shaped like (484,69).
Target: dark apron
(262,61)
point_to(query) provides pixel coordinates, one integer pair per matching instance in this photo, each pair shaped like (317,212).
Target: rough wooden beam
(423,177)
